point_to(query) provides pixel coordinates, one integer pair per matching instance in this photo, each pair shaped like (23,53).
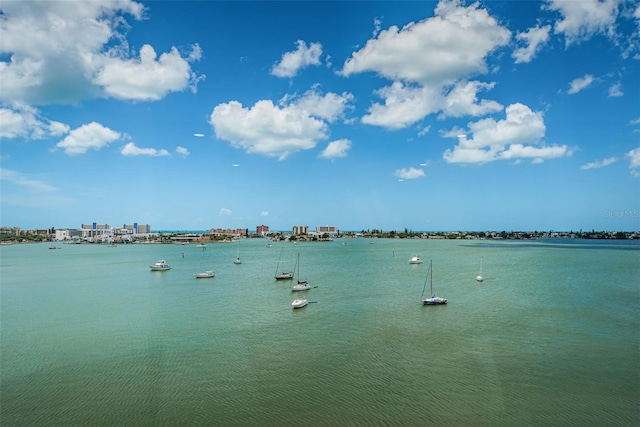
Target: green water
(89,336)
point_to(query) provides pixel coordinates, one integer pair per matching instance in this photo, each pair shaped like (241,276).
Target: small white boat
(206,275)
(160,265)
(299,303)
(434,300)
(415,260)
(201,245)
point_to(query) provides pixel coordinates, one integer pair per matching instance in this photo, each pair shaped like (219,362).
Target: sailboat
(283,275)
(300,286)
(479,277)
(238,260)
(434,300)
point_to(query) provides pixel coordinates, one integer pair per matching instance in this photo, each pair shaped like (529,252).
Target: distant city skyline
(444,115)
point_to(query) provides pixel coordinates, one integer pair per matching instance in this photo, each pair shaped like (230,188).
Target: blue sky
(450,115)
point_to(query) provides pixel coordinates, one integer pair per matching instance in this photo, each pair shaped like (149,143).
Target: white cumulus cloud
(63,52)
(329,107)
(533,39)
(462,100)
(429,63)
(634,161)
(518,136)
(580,83)
(403,105)
(23,121)
(147,78)
(182,151)
(450,45)
(91,136)
(599,164)
(410,173)
(584,18)
(615,90)
(294,61)
(295,124)
(336,149)
(266,128)
(132,150)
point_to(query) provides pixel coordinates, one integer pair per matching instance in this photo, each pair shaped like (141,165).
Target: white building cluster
(104,233)
(321,230)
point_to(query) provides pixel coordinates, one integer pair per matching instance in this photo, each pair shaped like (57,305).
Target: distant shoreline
(203,236)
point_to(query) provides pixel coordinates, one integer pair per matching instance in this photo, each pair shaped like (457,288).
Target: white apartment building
(326,229)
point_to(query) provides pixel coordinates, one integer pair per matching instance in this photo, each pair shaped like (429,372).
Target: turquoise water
(89,336)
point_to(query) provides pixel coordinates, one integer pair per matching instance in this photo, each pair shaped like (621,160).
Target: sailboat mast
(431,275)
(279,259)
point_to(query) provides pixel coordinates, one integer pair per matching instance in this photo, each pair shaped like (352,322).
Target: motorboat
(206,275)
(415,260)
(160,265)
(299,303)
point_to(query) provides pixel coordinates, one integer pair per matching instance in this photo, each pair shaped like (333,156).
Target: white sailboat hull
(205,275)
(300,287)
(299,303)
(434,301)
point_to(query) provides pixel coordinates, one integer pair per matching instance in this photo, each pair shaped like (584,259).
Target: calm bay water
(89,336)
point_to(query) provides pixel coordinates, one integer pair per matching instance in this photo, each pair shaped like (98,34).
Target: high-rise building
(300,229)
